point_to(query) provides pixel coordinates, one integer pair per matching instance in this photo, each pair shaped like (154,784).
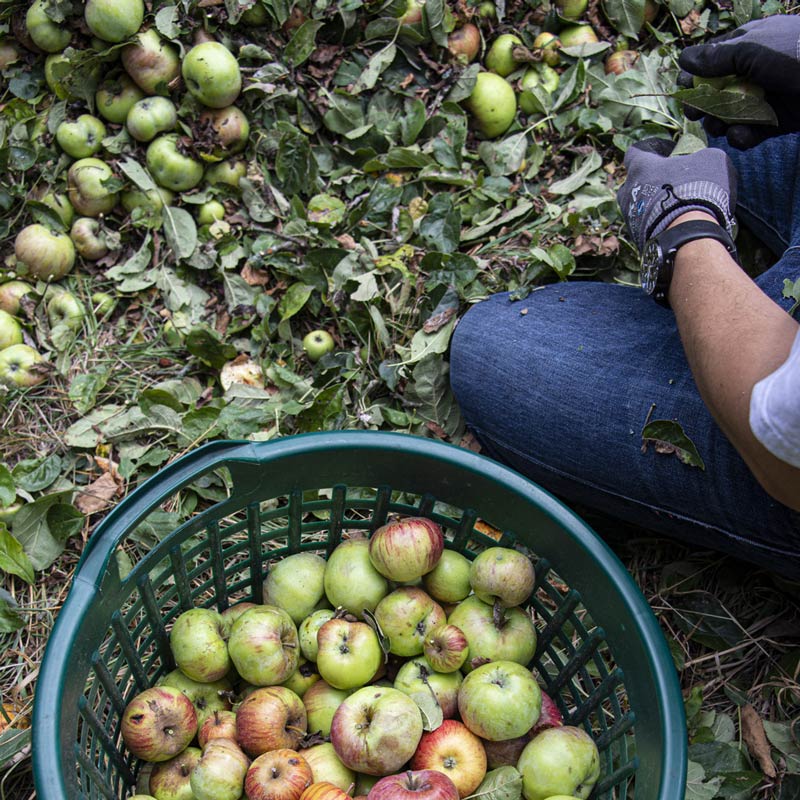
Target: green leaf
(205,343)
(13,558)
(667,436)
(84,387)
(8,489)
(504,157)
(579,176)
(558,258)
(734,108)
(295,164)
(42,527)
(717,757)
(295,297)
(167,21)
(35,474)
(138,174)
(697,787)
(440,228)
(303,42)
(431,390)
(429,707)
(627,16)
(10,621)
(376,65)
(503,783)
(180,231)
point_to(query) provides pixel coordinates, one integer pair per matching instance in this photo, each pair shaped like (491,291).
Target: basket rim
(243,455)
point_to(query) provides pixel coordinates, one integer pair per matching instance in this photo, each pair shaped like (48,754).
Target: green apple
(303,678)
(308,629)
(321,701)
(65,309)
(210,212)
(18,366)
(317,343)
(350,579)
(226,173)
(349,653)
(492,104)
(60,204)
(571,9)
(500,58)
(171,166)
(448,581)
(220,773)
(510,636)
(114,20)
(198,645)
(47,35)
(407,615)
(115,97)
(500,700)
(170,780)
(10,330)
(212,75)
(418,679)
(88,185)
(11,292)
(562,760)
(208,697)
(574,35)
(150,116)
(81,138)
(263,645)
(230,129)
(502,575)
(295,583)
(152,62)
(103,303)
(327,766)
(152,201)
(89,238)
(548,44)
(44,255)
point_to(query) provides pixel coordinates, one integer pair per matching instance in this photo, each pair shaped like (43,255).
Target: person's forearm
(733,335)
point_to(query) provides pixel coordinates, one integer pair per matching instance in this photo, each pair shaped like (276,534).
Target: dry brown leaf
(97,495)
(488,530)
(756,740)
(254,277)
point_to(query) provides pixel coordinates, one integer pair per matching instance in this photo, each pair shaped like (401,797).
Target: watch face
(651,263)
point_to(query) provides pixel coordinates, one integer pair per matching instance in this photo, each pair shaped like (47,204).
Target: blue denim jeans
(559,386)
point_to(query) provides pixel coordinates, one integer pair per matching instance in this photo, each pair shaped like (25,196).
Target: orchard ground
(368,208)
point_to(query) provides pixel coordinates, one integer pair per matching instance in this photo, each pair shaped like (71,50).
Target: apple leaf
(734,108)
(372,621)
(13,558)
(432,716)
(667,436)
(503,783)
(8,490)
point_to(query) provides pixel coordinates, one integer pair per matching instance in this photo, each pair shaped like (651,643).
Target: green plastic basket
(600,652)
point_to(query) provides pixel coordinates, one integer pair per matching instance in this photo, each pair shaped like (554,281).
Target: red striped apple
(158,723)
(281,774)
(500,574)
(269,718)
(406,616)
(426,784)
(446,648)
(406,549)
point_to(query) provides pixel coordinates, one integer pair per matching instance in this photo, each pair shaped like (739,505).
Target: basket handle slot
(111,749)
(154,617)
(613,779)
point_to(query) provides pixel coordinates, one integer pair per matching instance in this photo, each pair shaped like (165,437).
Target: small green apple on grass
(42,254)
(212,75)
(10,330)
(317,343)
(11,293)
(65,309)
(19,366)
(81,138)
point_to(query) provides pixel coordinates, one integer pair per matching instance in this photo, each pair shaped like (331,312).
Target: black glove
(765,52)
(659,189)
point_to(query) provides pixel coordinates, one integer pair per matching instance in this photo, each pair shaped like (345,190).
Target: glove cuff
(694,196)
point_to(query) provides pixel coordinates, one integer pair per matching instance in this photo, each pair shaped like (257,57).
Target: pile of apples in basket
(395,670)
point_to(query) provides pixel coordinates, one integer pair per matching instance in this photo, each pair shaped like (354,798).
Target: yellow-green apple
(171,164)
(499,700)
(10,330)
(464,43)
(210,212)
(81,138)
(308,629)
(59,203)
(42,254)
(269,718)
(508,635)
(11,292)
(211,73)
(46,34)
(562,760)
(324,790)
(500,574)
(351,582)
(150,116)
(170,780)
(302,678)
(317,343)
(571,9)
(425,784)
(417,678)
(547,45)
(20,366)
(455,750)
(158,723)
(327,766)
(114,20)
(232,613)
(295,583)
(89,238)
(63,308)
(220,773)
(281,774)
(500,58)
(321,701)
(198,645)
(152,62)
(406,616)
(263,645)
(448,581)
(207,696)
(89,187)
(349,653)
(575,35)
(492,104)
(405,549)
(229,128)
(219,724)
(376,730)
(446,648)
(226,173)
(115,97)
(364,783)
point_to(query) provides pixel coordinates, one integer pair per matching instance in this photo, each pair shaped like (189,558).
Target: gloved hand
(765,52)
(659,189)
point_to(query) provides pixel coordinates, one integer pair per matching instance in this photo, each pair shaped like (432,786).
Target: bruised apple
(158,723)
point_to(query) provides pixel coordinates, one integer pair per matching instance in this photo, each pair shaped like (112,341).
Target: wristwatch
(658,256)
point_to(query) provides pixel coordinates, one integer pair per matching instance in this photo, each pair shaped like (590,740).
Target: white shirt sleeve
(775,409)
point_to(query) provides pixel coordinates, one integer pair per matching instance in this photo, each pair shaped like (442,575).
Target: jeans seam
(730,534)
